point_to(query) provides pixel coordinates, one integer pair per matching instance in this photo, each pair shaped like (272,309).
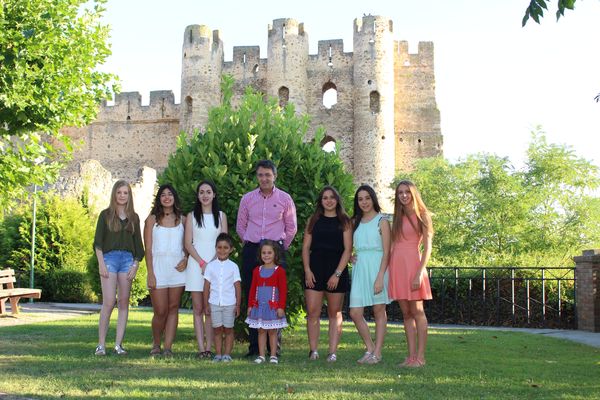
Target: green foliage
(486,213)
(234,140)
(63,242)
(536,8)
(139,290)
(45,84)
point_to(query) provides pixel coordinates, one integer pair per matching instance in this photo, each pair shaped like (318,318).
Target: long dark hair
(157,208)
(319,210)
(358,214)
(198,214)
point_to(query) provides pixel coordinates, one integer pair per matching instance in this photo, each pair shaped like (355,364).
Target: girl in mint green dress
(369,273)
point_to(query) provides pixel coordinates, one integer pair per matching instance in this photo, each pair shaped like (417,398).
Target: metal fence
(540,297)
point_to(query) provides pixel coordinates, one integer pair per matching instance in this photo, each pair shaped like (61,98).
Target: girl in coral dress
(408,280)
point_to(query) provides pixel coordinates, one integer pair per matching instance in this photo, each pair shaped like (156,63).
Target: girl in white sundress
(202,227)
(166,261)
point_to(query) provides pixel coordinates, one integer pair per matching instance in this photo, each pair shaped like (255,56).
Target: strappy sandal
(155,350)
(331,357)
(167,353)
(406,362)
(365,357)
(416,363)
(204,355)
(313,355)
(373,359)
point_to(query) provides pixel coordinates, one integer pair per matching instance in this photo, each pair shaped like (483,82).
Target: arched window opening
(374,102)
(328,144)
(329,95)
(284,96)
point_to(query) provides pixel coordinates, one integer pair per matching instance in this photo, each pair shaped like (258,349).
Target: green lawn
(50,360)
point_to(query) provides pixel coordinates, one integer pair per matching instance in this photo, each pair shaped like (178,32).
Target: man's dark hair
(267,164)
(224,237)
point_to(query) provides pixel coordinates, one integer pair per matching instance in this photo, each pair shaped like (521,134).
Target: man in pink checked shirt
(264,213)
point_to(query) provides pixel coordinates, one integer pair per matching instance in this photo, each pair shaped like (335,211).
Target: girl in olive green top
(119,249)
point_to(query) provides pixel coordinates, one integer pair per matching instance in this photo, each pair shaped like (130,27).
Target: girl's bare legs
(174,298)
(272,341)
(262,342)
(160,305)
(334,312)
(410,329)
(314,302)
(198,310)
(124,288)
(416,309)
(109,299)
(380,327)
(356,313)
(208,331)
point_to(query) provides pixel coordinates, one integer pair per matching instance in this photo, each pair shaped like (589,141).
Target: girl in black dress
(326,250)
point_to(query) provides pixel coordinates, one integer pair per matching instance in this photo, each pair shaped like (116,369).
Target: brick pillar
(587,286)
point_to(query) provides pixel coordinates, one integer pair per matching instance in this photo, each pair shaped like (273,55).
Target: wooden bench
(9,292)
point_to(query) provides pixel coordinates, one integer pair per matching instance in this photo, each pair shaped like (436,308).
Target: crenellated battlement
(128,107)
(371,24)
(286,26)
(196,37)
(334,46)
(423,58)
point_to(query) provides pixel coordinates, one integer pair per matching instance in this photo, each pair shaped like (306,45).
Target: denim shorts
(118,261)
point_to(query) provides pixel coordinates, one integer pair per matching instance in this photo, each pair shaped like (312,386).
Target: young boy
(223,295)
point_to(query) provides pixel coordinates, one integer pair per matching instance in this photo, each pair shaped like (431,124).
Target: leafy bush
(234,140)
(63,241)
(66,286)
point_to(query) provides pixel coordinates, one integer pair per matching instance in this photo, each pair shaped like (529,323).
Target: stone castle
(385,116)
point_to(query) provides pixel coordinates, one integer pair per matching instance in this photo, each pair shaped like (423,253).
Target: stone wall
(385,117)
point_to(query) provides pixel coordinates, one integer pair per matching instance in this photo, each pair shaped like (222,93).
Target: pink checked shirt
(272,217)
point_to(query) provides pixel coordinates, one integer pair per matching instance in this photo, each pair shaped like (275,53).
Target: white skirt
(166,274)
(194,279)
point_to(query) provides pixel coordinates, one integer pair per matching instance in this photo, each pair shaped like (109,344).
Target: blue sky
(495,81)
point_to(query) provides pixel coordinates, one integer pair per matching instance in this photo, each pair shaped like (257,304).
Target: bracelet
(338,273)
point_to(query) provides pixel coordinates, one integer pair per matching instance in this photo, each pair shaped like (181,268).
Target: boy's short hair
(224,237)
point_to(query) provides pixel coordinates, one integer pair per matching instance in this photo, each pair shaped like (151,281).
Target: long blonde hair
(419,208)
(112,216)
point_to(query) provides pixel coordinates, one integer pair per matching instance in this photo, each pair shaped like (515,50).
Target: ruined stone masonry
(385,117)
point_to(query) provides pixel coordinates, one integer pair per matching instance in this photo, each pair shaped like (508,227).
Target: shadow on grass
(56,360)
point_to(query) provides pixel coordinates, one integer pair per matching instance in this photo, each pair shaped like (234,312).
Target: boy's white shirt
(222,275)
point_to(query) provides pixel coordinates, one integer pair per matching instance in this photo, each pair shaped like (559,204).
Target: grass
(50,360)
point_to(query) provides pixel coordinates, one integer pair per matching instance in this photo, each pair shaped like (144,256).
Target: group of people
(191,252)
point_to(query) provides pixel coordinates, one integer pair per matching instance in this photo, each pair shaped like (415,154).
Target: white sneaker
(273,360)
(100,350)
(259,360)
(120,350)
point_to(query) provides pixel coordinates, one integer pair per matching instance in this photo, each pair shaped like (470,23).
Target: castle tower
(417,120)
(287,62)
(374,161)
(202,64)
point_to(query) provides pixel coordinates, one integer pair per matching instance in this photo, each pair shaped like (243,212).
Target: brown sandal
(155,350)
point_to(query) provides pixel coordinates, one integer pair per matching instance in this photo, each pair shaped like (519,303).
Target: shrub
(234,140)
(63,240)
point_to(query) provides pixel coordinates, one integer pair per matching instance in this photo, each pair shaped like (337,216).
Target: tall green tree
(488,213)
(49,51)
(226,153)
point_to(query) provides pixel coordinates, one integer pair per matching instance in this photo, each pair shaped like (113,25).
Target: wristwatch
(338,273)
